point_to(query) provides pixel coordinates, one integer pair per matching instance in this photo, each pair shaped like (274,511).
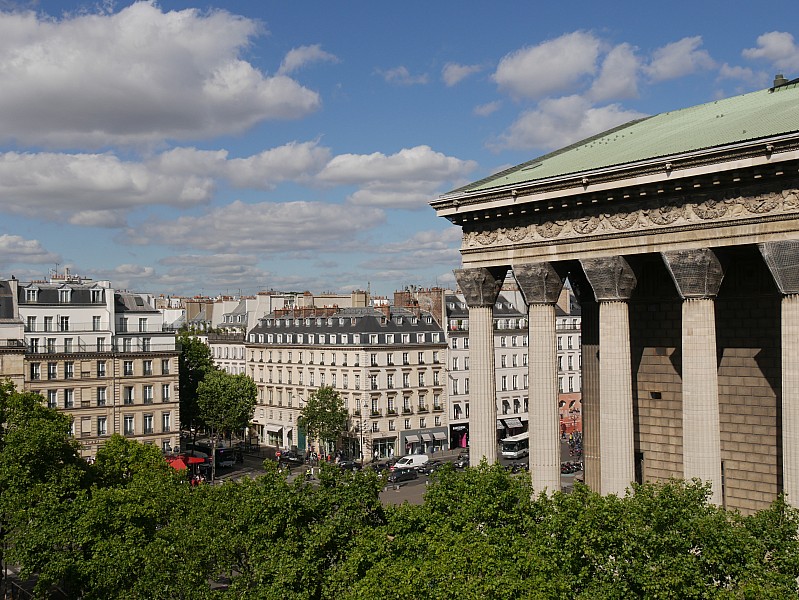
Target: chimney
(779,80)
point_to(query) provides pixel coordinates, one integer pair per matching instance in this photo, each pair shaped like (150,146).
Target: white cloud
(743,74)
(401,76)
(17,250)
(561,121)
(90,189)
(553,66)
(778,47)
(137,76)
(678,59)
(618,78)
(305,55)
(453,73)
(291,162)
(263,227)
(487,109)
(408,179)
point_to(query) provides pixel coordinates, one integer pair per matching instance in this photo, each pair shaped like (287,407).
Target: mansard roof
(761,115)
(125,302)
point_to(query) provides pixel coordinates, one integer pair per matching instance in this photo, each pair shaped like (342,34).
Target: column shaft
(483,395)
(790,397)
(700,394)
(615,392)
(543,399)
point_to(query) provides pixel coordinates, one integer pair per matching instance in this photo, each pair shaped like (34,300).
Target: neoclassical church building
(680,235)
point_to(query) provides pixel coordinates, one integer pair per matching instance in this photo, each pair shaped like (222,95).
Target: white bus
(516,446)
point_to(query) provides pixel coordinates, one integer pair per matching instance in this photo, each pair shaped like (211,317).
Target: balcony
(407,410)
(422,408)
(376,413)
(438,408)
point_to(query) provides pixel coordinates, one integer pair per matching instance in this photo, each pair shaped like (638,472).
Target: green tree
(226,401)
(324,416)
(195,361)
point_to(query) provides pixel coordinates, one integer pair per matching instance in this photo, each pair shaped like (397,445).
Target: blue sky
(186,148)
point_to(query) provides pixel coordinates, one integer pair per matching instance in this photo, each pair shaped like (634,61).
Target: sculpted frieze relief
(641,216)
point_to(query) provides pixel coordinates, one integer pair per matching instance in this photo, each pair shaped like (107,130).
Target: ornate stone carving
(611,277)
(685,211)
(539,282)
(696,273)
(481,286)
(782,259)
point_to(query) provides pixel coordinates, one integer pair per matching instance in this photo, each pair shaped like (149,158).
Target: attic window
(139,301)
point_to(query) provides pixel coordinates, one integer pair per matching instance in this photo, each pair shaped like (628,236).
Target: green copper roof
(760,114)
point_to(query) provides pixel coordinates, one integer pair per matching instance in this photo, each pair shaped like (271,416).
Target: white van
(411,461)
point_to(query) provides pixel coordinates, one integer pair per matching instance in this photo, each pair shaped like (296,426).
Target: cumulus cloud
(407,179)
(401,76)
(487,109)
(778,47)
(262,227)
(453,73)
(304,55)
(678,59)
(291,162)
(136,76)
(553,66)
(561,121)
(742,74)
(90,189)
(17,250)
(618,77)
(430,246)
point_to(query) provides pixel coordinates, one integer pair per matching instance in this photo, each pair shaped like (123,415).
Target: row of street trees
(128,527)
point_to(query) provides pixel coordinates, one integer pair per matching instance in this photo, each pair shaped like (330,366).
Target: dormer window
(307,322)
(97,296)
(414,321)
(64,295)
(330,322)
(399,320)
(31,295)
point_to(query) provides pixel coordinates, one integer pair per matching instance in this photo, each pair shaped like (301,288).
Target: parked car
(430,467)
(411,461)
(290,458)
(462,461)
(399,475)
(349,465)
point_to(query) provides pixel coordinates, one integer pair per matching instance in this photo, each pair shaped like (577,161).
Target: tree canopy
(324,416)
(226,401)
(194,362)
(129,527)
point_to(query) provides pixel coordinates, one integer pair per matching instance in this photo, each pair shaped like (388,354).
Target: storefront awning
(426,436)
(271,428)
(512,423)
(500,425)
(439,435)
(411,439)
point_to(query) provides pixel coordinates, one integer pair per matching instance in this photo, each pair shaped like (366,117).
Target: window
(344,380)
(392,426)
(100,344)
(503,361)
(373,360)
(69,370)
(569,342)
(165,366)
(36,372)
(166,422)
(97,296)
(375,426)
(422,422)
(142,325)
(421,358)
(102,426)
(52,399)
(515,382)
(406,380)
(405,359)
(147,392)
(63,323)
(127,394)
(52,370)
(435,378)
(100,368)
(373,382)
(67,344)
(31,295)
(127,344)
(454,343)
(64,295)
(148,367)
(101,396)
(33,346)
(454,383)
(148,423)
(146,344)
(438,421)
(407,423)
(127,368)
(69,398)
(128,425)
(357,382)
(95,323)
(421,379)
(165,392)
(48,323)
(30,324)
(436,401)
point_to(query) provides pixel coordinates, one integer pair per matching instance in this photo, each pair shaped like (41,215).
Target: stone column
(541,286)
(480,288)
(782,259)
(613,281)
(697,275)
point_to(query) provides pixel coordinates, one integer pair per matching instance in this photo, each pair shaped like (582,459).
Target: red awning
(177,464)
(196,460)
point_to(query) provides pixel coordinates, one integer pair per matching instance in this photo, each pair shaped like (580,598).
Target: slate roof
(48,293)
(757,115)
(6,302)
(127,302)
